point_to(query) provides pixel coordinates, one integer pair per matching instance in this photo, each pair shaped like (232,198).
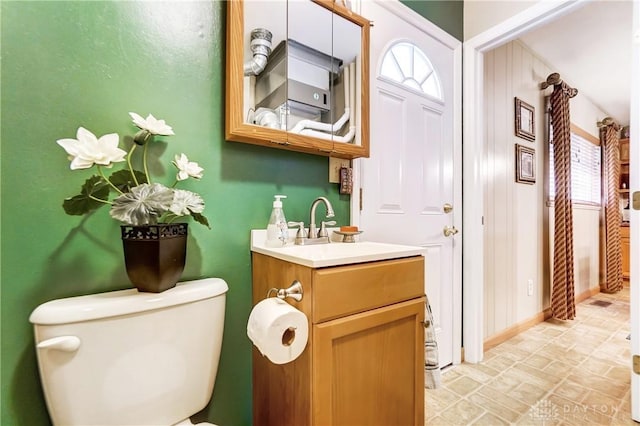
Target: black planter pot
(154,255)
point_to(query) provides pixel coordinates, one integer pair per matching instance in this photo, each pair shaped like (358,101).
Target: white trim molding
(474,147)
(634,181)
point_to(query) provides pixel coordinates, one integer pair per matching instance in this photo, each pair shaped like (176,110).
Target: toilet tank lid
(123,302)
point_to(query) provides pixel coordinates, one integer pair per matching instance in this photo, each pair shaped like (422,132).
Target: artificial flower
(138,201)
(152,125)
(142,205)
(87,150)
(187,168)
(186,202)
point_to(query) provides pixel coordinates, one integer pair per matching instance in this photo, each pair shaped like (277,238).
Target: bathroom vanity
(364,360)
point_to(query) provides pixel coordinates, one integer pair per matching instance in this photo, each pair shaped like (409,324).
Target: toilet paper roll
(278,330)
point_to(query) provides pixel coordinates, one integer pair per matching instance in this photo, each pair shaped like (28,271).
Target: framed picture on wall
(525,120)
(525,164)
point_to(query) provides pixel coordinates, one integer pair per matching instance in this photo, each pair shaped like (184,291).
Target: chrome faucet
(313,231)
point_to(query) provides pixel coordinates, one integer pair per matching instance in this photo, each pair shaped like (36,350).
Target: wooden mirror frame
(237,130)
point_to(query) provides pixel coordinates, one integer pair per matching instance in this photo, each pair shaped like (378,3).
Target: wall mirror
(298,76)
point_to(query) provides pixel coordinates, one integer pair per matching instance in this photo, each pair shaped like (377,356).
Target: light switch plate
(335,164)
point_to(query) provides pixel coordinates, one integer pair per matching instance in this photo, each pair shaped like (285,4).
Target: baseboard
(518,328)
(587,294)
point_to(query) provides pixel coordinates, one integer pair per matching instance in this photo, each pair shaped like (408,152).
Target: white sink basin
(333,254)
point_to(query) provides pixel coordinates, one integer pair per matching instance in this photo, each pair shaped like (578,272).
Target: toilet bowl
(126,357)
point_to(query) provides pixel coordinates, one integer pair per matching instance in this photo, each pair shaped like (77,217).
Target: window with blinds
(586,169)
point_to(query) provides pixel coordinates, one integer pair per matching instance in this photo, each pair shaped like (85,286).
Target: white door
(635,216)
(409,191)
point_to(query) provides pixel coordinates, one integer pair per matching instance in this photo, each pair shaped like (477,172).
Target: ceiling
(591,49)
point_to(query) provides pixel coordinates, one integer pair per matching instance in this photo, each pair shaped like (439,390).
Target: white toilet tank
(130,358)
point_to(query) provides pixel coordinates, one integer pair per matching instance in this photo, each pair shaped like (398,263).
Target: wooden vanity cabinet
(364,360)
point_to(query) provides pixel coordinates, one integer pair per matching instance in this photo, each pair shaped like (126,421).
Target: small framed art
(525,120)
(525,164)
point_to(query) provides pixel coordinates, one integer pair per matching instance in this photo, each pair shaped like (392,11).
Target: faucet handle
(323,229)
(301,234)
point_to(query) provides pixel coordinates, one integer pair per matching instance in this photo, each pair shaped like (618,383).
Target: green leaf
(198,217)
(123,180)
(82,203)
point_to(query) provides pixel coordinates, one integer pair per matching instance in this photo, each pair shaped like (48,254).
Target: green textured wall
(447,14)
(66,64)
(70,64)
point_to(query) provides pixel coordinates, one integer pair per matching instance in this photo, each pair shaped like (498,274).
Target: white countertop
(334,253)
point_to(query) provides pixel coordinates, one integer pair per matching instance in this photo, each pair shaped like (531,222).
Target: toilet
(131,358)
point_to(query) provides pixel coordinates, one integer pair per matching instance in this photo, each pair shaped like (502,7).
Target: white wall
(480,15)
(515,213)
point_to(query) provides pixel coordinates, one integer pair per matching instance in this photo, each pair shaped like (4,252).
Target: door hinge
(636,364)
(360,196)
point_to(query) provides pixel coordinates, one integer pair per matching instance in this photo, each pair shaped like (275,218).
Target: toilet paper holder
(294,291)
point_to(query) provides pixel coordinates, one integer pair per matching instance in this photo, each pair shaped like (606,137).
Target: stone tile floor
(555,373)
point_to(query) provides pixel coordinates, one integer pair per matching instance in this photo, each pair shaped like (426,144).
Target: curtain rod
(608,121)
(554,80)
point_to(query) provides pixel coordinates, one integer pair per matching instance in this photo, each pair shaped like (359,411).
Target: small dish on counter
(348,236)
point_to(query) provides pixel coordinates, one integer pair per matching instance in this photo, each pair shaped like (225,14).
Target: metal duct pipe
(261,47)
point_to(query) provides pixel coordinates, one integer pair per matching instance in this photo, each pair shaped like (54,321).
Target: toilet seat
(187,422)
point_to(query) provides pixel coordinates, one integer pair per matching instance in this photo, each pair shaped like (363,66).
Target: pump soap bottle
(277,229)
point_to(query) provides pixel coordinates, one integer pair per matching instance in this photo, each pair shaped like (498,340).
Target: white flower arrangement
(138,201)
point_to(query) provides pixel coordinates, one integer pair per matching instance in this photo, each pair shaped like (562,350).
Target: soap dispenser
(277,229)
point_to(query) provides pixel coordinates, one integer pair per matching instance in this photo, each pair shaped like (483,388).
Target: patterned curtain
(563,304)
(611,178)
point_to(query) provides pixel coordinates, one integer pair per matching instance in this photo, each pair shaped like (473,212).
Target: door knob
(449,231)
(448,208)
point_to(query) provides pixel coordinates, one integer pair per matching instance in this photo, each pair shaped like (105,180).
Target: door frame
(420,22)
(473,200)
(473,173)
(473,206)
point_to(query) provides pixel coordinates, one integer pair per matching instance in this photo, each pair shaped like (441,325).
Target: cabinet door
(625,245)
(368,369)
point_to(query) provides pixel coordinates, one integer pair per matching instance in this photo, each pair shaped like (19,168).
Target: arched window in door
(406,64)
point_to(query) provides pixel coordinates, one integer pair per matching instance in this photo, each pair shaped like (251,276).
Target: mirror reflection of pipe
(316,128)
(267,118)
(352,94)
(261,48)
(317,125)
(344,139)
